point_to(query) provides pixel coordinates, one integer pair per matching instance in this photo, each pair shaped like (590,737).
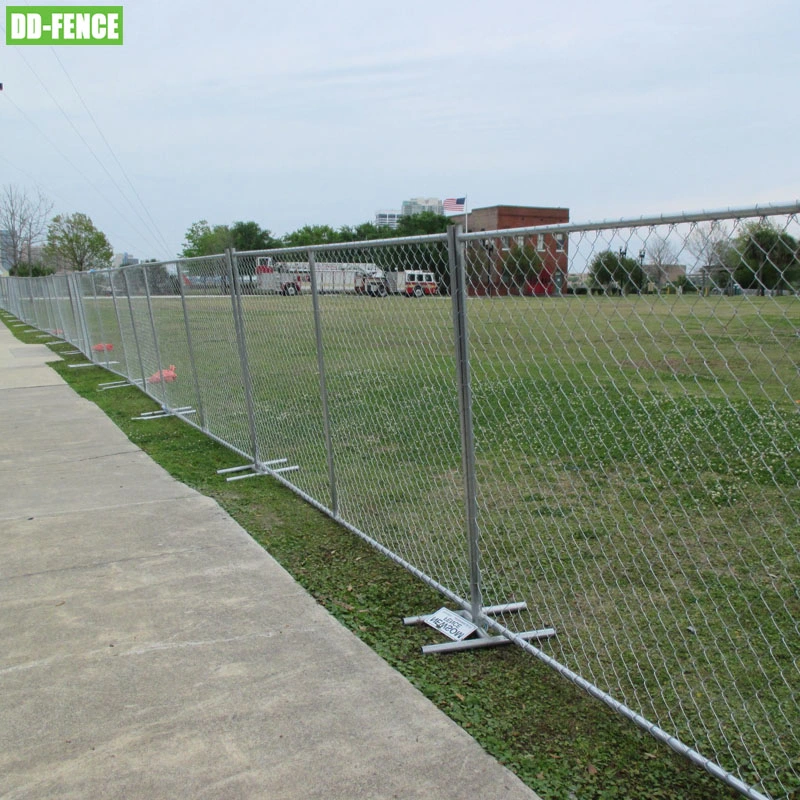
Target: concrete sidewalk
(149,648)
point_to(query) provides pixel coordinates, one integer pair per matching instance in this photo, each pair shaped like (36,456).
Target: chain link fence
(596,423)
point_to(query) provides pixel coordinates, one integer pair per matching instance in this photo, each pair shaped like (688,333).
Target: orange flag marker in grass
(164,375)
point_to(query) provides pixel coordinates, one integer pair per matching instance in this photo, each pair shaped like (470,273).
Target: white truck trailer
(294,277)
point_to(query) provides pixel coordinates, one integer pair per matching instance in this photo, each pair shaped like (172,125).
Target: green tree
(251,236)
(310,235)
(364,232)
(160,281)
(35,270)
(764,257)
(521,265)
(421,224)
(616,272)
(73,240)
(203,240)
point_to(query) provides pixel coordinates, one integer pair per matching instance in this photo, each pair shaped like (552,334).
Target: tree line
(760,257)
(34,243)
(203,239)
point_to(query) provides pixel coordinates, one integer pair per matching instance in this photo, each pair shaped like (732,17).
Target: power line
(110,150)
(71,163)
(153,240)
(49,191)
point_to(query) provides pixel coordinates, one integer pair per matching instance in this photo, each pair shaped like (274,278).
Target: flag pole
(466,215)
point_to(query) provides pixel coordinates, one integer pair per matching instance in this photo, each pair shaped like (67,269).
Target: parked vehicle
(412,283)
(272,278)
(294,277)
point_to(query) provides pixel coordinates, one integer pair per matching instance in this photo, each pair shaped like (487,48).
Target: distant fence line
(586,437)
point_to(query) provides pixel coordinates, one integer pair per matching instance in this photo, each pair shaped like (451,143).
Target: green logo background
(47,36)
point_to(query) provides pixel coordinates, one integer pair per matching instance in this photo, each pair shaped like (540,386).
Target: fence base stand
(482,637)
(79,366)
(164,412)
(119,384)
(486,641)
(257,468)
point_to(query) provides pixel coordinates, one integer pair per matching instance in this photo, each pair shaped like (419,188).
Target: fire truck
(412,283)
(294,277)
(275,278)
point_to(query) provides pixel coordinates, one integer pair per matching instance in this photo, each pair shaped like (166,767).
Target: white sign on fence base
(452,625)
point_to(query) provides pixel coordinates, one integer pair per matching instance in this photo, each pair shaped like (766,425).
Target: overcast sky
(307,112)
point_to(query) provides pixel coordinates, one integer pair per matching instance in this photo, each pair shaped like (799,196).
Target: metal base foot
(119,384)
(257,468)
(486,641)
(164,412)
(481,638)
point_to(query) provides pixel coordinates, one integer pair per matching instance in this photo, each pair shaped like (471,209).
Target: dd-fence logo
(63,25)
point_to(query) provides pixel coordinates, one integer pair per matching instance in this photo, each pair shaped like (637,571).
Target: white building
(123,260)
(417,205)
(387,219)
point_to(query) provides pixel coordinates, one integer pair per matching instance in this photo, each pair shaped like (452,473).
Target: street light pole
(642,254)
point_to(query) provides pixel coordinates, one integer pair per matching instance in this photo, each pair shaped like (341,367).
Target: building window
(561,242)
(540,242)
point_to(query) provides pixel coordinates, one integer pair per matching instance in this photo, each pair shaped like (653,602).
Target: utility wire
(49,191)
(94,155)
(66,158)
(110,150)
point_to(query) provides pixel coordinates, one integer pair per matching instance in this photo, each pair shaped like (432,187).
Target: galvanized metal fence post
(133,327)
(162,382)
(238,318)
(33,304)
(459,300)
(323,389)
(54,305)
(84,328)
(195,379)
(61,322)
(45,283)
(74,309)
(119,323)
(100,321)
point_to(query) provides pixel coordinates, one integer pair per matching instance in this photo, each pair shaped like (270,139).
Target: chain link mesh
(638,460)
(217,361)
(392,399)
(635,393)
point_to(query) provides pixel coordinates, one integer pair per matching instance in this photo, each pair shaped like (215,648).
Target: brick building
(491,273)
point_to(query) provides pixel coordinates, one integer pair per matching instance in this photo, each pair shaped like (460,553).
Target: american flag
(454,203)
